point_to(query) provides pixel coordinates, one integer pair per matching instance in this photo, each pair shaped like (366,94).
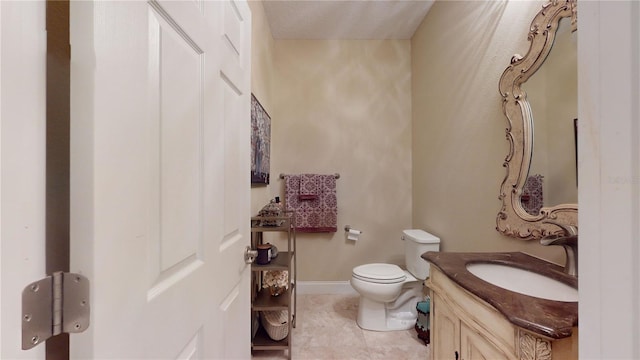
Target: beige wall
(415,128)
(339,107)
(262,48)
(458,55)
(345,107)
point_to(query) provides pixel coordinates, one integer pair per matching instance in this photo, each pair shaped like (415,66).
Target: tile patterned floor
(326,329)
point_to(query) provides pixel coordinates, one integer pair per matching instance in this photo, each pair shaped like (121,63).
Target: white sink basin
(523,281)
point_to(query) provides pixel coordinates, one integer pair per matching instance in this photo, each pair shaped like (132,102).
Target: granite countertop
(554,319)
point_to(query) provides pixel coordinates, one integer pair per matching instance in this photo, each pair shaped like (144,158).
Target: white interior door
(160,96)
(22,177)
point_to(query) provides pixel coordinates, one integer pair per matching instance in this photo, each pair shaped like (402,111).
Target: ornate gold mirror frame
(512,219)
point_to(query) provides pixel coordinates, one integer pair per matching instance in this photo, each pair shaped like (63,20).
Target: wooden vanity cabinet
(443,318)
(465,327)
(456,339)
(473,345)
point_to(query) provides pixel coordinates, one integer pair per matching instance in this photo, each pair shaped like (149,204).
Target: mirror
(552,93)
(539,192)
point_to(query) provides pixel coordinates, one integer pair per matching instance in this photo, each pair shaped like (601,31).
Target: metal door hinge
(56,304)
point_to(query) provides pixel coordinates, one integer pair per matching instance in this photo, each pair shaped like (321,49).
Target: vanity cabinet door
(476,347)
(446,340)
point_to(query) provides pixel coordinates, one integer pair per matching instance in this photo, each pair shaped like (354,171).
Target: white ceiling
(348,19)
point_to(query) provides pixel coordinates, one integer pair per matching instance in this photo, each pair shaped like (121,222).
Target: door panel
(23,46)
(176,96)
(160,192)
(475,347)
(235,85)
(447,342)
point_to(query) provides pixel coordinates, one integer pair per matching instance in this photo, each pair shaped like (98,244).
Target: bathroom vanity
(513,305)
(475,319)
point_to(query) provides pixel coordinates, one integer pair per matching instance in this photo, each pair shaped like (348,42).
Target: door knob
(249,255)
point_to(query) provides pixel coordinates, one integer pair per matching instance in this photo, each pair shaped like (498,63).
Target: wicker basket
(276,323)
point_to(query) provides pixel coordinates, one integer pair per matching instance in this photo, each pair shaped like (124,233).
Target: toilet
(389,294)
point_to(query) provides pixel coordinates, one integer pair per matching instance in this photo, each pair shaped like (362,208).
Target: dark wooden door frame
(57,153)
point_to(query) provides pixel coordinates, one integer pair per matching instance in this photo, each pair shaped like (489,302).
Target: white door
(22,160)
(160,96)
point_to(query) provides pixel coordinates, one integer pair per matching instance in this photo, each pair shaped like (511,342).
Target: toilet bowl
(386,303)
(389,294)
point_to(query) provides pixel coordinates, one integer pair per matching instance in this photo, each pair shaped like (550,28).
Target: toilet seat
(380,273)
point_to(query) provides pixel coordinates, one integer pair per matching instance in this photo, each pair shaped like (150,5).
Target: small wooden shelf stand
(261,299)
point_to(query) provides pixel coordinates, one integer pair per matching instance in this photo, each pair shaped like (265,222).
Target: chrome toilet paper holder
(348,228)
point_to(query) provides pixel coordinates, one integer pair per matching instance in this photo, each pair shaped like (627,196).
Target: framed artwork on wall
(260,143)
(575,139)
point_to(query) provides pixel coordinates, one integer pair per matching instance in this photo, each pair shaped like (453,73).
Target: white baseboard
(325,287)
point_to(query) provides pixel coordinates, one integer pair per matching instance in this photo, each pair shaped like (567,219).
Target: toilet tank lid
(420,236)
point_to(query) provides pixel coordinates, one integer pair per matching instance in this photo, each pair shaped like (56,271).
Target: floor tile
(326,329)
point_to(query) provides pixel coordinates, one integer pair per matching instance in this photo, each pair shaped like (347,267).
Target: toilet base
(378,316)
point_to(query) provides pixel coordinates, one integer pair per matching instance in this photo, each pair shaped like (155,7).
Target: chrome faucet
(569,241)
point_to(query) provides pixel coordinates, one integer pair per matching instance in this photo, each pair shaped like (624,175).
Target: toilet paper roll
(353,234)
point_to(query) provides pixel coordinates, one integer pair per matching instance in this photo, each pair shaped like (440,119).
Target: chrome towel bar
(336,175)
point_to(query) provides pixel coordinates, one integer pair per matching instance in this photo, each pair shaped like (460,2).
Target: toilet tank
(416,243)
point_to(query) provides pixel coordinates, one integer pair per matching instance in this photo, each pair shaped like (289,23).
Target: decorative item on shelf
(274,251)
(276,323)
(272,209)
(264,254)
(277,281)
